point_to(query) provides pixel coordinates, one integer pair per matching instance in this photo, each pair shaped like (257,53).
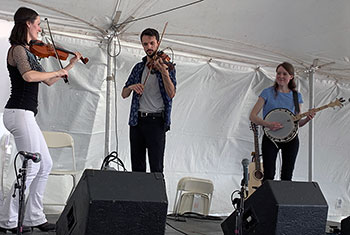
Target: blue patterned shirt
(134,78)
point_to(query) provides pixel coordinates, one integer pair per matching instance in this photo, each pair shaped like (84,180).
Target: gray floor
(190,226)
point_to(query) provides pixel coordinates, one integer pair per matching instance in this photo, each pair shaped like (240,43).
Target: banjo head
(286,118)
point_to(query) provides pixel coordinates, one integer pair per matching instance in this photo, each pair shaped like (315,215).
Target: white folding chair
(62,140)
(193,195)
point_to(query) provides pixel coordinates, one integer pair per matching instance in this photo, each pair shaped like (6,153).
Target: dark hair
(290,70)
(19,31)
(150,32)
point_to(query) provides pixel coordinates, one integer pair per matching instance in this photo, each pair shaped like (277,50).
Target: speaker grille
(111,202)
(286,207)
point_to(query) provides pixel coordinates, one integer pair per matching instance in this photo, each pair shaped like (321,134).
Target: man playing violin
(150,106)
(19,118)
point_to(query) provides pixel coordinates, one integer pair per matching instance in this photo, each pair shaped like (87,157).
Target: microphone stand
(240,210)
(21,186)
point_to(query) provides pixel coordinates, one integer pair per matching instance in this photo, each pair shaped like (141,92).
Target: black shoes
(46,227)
(25,229)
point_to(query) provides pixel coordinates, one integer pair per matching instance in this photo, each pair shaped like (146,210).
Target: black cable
(191,215)
(194,215)
(235,201)
(15,167)
(176,217)
(178,230)
(112,157)
(110,41)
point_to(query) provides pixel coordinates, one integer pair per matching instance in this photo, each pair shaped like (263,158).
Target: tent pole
(115,97)
(311,73)
(108,102)
(311,122)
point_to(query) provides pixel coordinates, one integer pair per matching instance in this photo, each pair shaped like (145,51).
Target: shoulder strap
(296,102)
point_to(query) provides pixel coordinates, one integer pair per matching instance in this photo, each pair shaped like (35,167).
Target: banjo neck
(314,110)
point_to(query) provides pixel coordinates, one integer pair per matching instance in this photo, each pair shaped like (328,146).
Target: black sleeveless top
(24,95)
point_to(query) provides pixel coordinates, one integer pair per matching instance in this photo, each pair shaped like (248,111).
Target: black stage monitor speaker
(345,226)
(228,226)
(285,207)
(114,202)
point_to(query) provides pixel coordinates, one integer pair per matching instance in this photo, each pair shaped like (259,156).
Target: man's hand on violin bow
(138,88)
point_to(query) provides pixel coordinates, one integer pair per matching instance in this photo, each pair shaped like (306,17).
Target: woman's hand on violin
(73,61)
(138,88)
(76,57)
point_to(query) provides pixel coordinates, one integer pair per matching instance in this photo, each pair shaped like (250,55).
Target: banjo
(290,121)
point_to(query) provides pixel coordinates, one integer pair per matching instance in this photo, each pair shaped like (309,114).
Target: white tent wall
(4,83)
(75,108)
(210,132)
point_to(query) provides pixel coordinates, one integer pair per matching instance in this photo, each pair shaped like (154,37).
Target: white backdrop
(209,134)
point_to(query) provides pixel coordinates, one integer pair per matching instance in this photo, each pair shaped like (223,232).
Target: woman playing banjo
(280,95)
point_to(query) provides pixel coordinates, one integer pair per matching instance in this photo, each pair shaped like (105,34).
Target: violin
(166,59)
(43,50)
(157,55)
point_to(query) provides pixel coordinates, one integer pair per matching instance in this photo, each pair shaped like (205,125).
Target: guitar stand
(21,186)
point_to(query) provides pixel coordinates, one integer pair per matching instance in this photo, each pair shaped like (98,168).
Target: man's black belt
(144,114)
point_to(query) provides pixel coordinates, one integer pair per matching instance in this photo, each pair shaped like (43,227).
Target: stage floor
(181,225)
(190,226)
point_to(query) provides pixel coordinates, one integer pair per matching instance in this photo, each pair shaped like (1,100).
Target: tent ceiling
(258,32)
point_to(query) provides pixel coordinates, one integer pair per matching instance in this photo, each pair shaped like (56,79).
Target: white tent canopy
(225,52)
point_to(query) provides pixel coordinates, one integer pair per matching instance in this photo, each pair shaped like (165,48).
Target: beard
(150,53)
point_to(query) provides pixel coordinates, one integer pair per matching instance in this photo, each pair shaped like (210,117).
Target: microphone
(35,157)
(245,164)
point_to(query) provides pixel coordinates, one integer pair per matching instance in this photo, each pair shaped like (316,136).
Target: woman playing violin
(19,118)
(150,106)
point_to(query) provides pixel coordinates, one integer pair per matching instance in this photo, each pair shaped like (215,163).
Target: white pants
(28,137)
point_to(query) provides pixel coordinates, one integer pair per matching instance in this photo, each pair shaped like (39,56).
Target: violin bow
(155,54)
(65,77)
(161,37)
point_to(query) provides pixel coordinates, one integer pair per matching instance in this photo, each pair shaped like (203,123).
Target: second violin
(166,60)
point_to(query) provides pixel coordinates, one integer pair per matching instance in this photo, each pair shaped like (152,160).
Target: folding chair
(193,195)
(62,140)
